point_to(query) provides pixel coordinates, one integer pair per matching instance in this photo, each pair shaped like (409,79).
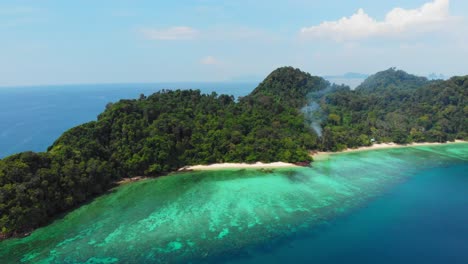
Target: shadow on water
(296,176)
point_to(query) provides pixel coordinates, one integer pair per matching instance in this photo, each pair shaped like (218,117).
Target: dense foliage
(289,87)
(168,130)
(434,112)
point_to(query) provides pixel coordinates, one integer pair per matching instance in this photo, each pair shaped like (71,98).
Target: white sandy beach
(386,146)
(316,155)
(220,166)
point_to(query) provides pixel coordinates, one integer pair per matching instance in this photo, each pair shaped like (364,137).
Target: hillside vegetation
(434,112)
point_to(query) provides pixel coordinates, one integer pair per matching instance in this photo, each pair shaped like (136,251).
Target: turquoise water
(383,206)
(31,118)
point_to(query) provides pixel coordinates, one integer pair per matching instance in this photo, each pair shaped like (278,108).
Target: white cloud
(209,60)
(172,33)
(429,17)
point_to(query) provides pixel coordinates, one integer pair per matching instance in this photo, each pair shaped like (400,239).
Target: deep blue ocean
(31,118)
(423,220)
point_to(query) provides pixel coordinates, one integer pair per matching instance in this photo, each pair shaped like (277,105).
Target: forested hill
(289,85)
(155,135)
(392,78)
(167,130)
(435,112)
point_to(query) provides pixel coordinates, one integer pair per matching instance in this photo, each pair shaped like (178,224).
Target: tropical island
(288,116)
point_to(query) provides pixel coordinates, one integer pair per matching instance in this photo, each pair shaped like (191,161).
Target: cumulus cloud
(172,33)
(209,60)
(427,18)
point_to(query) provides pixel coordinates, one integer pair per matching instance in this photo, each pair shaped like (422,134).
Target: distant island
(288,116)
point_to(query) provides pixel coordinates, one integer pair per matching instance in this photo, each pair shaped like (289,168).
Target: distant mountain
(435,76)
(392,78)
(351,79)
(348,75)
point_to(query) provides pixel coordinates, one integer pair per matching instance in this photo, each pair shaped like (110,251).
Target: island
(290,115)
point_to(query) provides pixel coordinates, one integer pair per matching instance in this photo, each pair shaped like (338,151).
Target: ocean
(402,205)
(31,118)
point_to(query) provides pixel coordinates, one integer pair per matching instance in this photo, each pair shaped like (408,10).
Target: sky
(129,41)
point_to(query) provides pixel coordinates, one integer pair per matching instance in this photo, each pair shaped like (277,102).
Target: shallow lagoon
(341,209)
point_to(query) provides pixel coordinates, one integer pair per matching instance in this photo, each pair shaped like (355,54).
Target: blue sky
(115,41)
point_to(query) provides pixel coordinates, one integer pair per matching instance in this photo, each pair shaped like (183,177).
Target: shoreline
(316,155)
(320,155)
(275,165)
(129,180)
(221,166)
(383,146)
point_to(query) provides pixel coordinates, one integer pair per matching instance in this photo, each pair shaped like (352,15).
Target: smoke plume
(314,114)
